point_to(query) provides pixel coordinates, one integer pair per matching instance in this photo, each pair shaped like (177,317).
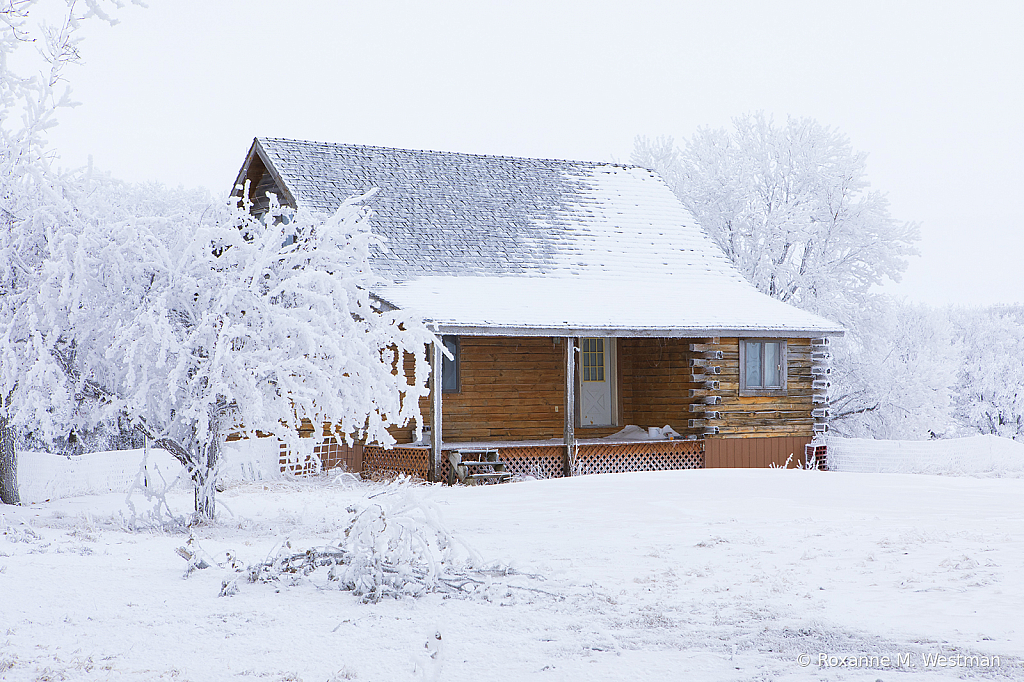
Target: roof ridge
(503,157)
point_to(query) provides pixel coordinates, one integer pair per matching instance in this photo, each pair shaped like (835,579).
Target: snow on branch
(394,545)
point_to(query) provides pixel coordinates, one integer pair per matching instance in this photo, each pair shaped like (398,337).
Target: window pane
(593,359)
(753,364)
(772,365)
(449,368)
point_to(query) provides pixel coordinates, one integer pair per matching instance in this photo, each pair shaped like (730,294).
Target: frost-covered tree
(196,321)
(182,316)
(899,369)
(791,207)
(199,321)
(990,393)
(37,206)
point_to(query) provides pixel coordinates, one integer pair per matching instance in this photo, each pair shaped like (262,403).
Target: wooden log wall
(663,381)
(759,416)
(510,389)
(655,381)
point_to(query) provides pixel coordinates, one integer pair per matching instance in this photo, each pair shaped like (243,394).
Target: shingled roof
(528,245)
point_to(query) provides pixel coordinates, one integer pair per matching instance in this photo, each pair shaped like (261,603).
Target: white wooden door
(597,356)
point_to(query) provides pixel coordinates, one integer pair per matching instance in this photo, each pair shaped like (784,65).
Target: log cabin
(574,299)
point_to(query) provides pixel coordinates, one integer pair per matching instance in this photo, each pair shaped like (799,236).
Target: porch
(536,398)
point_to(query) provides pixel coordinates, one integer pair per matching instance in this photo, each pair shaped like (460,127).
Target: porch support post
(570,406)
(436,463)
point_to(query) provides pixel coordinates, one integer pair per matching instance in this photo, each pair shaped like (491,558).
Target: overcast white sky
(933,91)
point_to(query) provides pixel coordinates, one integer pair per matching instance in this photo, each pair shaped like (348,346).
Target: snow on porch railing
(974,456)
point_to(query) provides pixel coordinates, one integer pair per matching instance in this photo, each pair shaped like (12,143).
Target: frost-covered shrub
(396,544)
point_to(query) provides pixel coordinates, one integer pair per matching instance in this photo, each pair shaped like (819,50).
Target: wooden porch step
(484,466)
(493,474)
(481,455)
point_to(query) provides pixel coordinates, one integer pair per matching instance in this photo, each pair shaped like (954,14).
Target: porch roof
(682,305)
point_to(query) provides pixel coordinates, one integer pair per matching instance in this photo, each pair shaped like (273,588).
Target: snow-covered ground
(685,575)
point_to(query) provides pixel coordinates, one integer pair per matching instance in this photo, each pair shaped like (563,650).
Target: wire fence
(43,476)
(975,456)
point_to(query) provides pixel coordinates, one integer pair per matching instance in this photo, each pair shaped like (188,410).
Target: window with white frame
(762,366)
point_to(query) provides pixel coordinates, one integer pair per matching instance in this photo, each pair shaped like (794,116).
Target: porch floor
(551,442)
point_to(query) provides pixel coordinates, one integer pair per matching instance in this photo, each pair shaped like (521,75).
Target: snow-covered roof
(497,244)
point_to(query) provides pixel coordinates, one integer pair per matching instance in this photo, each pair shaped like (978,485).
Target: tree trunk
(206,479)
(8,464)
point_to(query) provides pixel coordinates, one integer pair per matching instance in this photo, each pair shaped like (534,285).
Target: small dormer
(263,181)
